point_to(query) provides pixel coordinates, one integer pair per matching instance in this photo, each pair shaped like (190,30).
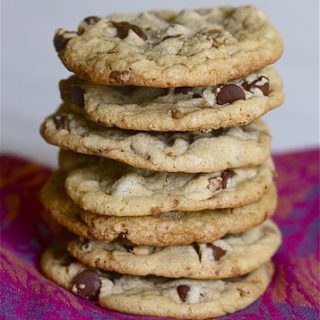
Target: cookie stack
(165,178)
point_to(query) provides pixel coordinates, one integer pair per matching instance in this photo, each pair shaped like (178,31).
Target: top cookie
(193,48)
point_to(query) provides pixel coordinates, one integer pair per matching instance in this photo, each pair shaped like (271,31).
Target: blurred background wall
(31,69)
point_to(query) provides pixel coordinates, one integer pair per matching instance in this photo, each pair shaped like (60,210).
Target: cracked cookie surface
(170,49)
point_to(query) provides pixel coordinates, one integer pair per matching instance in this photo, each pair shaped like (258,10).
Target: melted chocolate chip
(87,284)
(124,27)
(197,249)
(77,96)
(230,93)
(91,20)
(87,21)
(226,175)
(182,90)
(217,252)
(61,38)
(183,292)
(264,87)
(122,236)
(129,248)
(122,239)
(59,122)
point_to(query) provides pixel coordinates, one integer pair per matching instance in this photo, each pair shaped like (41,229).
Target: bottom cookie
(230,256)
(156,296)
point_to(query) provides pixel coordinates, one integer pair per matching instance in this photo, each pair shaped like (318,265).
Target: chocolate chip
(246,85)
(230,93)
(122,239)
(183,292)
(196,95)
(87,284)
(217,252)
(261,83)
(124,27)
(197,249)
(59,122)
(87,21)
(122,236)
(77,96)
(182,90)
(129,248)
(91,20)
(226,175)
(61,38)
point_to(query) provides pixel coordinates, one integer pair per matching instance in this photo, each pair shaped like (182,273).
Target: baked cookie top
(111,188)
(215,150)
(230,256)
(157,296)
(237,102)
(166,229)
(192,48)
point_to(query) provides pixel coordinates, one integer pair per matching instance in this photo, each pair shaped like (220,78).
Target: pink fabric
(26,294)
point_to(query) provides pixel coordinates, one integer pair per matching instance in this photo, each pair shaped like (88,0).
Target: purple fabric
(26,294)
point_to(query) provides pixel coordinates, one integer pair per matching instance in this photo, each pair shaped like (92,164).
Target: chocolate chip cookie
(193,48)
(156,296)
(211,151)
(234,103)
(111,188)
(230,256)
(166,229)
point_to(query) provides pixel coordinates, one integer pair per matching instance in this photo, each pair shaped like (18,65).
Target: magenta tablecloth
(26,294)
